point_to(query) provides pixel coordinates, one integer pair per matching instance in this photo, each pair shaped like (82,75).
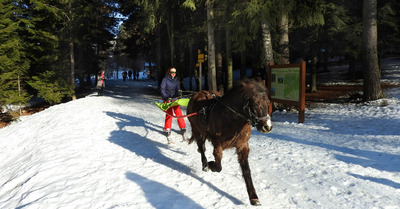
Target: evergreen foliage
(45,45)
(13,61)
(50,88)
(34,35)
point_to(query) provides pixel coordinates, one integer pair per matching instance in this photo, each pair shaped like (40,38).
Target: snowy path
(110,152)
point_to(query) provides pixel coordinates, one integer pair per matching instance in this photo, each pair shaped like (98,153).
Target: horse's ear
(259,80)
(244,82)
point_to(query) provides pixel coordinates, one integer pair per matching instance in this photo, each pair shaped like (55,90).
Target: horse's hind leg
(243,155)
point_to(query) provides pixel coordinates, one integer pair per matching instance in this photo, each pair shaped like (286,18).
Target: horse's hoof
(206,168)
(255,202)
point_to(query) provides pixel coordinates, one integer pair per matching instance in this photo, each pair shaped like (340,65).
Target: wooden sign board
(200,58)
(287,85)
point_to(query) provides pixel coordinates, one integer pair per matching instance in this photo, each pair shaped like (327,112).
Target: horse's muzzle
(265,125)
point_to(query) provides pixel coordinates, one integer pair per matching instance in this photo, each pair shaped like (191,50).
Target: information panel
(285,83)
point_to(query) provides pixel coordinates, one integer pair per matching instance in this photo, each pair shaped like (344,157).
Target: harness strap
(183,116)
(251,115)
(229,108)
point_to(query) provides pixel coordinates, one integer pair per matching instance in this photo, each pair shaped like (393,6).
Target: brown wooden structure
(279,83)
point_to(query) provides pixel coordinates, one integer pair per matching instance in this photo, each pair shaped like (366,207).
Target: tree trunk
(243,64)
(158,55)
(72,62)
(372,85)
(219,59)
(191,63)
(228,48)
(314,74)
(325,57)
(267,43)
(229,62)
(71,54)
(283,27)
(171,38)
(212,80)
(19,94)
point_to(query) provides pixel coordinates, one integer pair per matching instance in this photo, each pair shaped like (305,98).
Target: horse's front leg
(201,149)
(243,155)
(215,166)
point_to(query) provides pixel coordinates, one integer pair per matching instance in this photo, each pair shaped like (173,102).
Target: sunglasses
(173,72)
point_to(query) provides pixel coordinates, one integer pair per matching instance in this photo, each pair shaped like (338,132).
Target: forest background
(51,49)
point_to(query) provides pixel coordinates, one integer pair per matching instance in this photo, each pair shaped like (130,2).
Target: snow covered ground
(110,152)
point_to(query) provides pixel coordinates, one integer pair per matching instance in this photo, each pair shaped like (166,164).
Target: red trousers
(168,117)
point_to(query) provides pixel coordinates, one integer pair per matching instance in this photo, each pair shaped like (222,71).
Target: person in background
(100,83)
(170,89)
(124,75)
(130,74)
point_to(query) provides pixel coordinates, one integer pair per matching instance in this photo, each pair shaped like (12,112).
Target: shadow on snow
(378,160)
(143,146)
(161,196)
(377,180)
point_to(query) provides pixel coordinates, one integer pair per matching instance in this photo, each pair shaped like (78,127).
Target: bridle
(251,117)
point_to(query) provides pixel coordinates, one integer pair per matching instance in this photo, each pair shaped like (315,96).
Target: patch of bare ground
(8,117)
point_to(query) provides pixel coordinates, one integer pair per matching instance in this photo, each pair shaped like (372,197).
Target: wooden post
(302,97)
(200,77)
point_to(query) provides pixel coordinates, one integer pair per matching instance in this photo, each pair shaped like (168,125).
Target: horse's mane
(246,88)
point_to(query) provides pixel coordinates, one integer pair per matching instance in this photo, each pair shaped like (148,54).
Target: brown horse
(226,122)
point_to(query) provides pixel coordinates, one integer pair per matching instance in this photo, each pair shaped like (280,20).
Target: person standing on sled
(170,89)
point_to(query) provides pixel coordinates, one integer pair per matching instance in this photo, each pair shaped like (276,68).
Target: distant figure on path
(124,75)
(101,84)
(130,74)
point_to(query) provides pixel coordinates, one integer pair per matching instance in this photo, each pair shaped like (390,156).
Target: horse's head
(256,108)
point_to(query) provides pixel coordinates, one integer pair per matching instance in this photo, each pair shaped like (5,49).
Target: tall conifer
(13,61)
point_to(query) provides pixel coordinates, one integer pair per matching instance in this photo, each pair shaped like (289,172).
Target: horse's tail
(191,140)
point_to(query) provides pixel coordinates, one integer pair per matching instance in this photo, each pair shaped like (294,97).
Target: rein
(252,117)
(183,116)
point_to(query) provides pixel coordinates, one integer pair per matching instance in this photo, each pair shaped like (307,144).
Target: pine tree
(50,88)
(13,61)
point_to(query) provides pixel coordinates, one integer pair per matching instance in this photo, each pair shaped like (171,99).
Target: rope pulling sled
(181,101)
